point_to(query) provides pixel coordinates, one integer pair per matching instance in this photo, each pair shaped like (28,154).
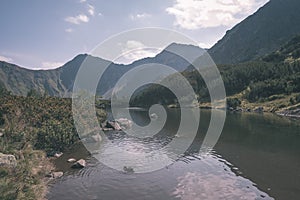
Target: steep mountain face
(19,80)
(262,33)
(59,82)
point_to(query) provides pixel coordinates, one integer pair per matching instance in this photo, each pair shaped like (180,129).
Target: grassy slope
(33,127)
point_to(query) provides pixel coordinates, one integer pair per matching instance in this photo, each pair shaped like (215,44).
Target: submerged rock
(8,160)
(128,169)
(79,164)
(154,116)
(92,138)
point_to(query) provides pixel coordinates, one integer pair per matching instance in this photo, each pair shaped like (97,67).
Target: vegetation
(33,127)
(271,26)
(256,81)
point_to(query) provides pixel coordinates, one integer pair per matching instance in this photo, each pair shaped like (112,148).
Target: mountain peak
(259,34)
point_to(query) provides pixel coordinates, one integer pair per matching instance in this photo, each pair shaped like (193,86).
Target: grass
(33,128)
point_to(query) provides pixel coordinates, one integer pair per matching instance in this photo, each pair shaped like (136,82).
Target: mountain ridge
(261,33)
(59,81)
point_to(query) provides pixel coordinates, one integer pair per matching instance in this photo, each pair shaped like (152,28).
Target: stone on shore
(79,164)
(259,109)
(55,175)
(57,155)
(71,160)
(112,125)
(124,123)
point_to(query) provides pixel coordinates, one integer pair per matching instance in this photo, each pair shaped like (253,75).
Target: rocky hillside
(262,33)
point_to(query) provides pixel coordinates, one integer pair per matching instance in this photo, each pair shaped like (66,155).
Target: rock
(57,155)
(124,123)
(114,125)
(154,116)
(107,129)
(54,175)
(92,138)
(50,175)
(128,169)
(259,109)
(79,164)
(239,109)
(96,138)
(1,134)
(290,113)
(57,174)
(71,160)
(8,160)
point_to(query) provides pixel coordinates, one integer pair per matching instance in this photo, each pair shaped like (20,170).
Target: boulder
(124,123)
(114,125)
(1,134)
(57,174)
(259,109)
(79,164)
(57,155)
(54,175)
(8,160)
(71,160)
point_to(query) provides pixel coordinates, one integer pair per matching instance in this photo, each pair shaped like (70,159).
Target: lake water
(256,157)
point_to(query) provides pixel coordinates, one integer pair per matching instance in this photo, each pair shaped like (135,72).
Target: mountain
(261,33)
(59,82)
(258,35)
(271,82)
(19,80)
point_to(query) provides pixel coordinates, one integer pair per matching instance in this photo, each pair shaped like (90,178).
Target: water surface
(256,157)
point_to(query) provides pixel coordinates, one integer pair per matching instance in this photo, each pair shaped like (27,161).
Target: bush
(233,102)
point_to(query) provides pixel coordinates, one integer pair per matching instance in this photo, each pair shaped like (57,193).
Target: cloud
(77,19)
(135,50)
(195,14)
(5,59)
(69,30)
(91,10)
(51,65)
(205,185)
(139,16)
(82,1)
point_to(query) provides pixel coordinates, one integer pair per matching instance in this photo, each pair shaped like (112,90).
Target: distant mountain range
(59,82)
(260,34)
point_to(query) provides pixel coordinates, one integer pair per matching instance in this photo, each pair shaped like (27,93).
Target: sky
(46,34)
